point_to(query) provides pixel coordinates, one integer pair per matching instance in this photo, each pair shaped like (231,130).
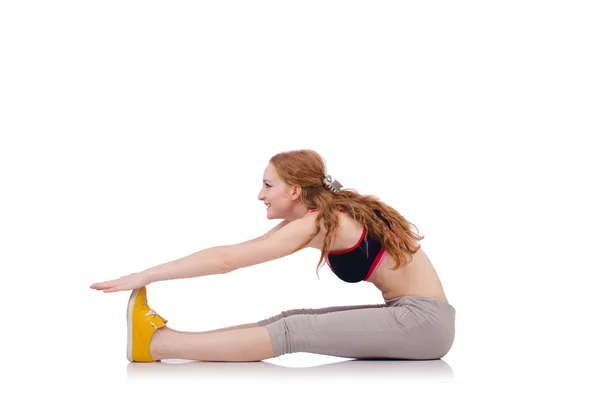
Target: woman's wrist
(150,275)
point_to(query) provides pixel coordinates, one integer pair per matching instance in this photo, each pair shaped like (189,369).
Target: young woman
(360,238)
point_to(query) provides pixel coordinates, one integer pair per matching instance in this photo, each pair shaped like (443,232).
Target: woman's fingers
(108,286)
(114,289)
(104,284)
(109,283)
(131,281)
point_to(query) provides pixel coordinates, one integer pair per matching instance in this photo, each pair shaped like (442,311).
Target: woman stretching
(360,238)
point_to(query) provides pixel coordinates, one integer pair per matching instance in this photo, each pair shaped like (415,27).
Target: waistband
(416,300)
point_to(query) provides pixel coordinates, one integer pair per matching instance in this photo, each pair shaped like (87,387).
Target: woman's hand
(129,282)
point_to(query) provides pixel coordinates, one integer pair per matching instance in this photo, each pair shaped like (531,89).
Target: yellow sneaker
(142,321)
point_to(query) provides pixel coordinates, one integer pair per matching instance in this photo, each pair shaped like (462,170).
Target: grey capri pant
(407,327)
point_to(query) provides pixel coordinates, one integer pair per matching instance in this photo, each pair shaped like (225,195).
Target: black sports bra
(353,265)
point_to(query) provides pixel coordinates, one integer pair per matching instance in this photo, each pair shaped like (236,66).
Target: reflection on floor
(391,369)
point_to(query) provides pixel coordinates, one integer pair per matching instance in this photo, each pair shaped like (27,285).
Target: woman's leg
(212,331)
(416,328)
(246,342)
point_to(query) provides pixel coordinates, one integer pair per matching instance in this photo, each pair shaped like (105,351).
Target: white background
(137,132)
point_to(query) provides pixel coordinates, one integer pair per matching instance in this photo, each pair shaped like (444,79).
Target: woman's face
(276,195)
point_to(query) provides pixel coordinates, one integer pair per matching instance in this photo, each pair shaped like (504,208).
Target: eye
(267,185)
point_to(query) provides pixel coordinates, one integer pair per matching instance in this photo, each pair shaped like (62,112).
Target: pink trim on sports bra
(378,260)
(351,248)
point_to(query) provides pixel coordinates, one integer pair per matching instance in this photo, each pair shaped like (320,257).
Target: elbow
(226,261)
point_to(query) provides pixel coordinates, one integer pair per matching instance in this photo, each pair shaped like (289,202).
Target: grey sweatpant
(407,327)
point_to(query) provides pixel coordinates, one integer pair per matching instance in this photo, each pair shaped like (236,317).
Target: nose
(261,196)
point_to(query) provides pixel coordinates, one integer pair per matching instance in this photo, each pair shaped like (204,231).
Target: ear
(296,192)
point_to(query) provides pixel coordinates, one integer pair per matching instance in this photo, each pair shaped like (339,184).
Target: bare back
(417,278)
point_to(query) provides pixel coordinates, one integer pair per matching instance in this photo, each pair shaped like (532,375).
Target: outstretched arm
(220,259)
(277,243)
(214,260)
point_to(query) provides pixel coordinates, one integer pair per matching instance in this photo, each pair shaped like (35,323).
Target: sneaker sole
(132,297)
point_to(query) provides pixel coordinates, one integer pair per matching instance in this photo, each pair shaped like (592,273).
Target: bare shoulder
(344,219)
(311,217)
(347,234)
(317,241)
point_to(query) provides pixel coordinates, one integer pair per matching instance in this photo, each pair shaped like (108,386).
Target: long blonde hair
(306,168)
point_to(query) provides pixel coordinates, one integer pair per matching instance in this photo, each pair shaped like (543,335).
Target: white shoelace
(152,313)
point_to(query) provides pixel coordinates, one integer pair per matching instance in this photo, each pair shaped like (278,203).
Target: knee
(281,337)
